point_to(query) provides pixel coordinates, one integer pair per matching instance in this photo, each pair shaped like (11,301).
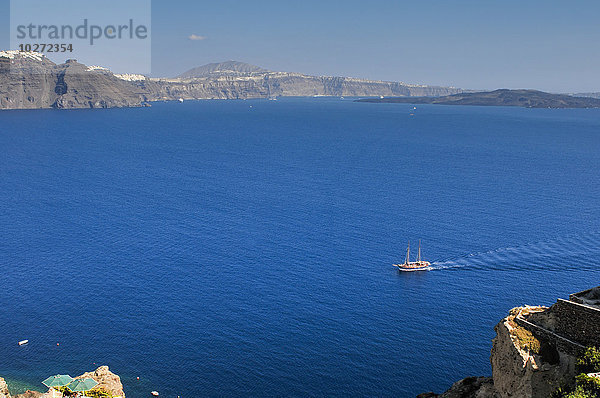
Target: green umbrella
(82,385)
(57,381)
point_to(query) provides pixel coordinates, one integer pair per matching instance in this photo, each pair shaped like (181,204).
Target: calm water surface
(244,248)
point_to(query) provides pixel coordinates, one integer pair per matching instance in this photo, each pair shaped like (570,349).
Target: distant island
(30,80)
(503,97)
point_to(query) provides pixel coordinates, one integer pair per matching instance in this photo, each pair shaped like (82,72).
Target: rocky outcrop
(4,393)
(524,366)
(471,387)
(107,381)
(534,352)
(34,394)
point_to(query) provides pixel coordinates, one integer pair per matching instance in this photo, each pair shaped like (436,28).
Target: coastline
(109,384)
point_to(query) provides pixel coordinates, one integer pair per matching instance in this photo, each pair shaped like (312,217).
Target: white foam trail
(581,251)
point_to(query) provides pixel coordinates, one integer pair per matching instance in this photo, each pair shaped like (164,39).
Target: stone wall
(588,297)
(561,343)
(568,325)
(577,322)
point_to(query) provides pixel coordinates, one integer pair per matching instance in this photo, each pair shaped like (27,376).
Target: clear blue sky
(549,45)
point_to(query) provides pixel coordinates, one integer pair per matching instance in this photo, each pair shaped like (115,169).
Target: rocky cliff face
(78,87)
(525,366)
(30,81)
(280,84)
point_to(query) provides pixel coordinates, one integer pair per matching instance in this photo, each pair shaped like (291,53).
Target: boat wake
(575,251)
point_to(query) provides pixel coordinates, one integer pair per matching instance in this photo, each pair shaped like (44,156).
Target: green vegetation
(590,361)
(98,393)
(65,391)
(94,393)
(525,339)
(583,386)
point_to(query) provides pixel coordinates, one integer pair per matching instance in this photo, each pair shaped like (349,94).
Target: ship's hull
(402,269)
(413,267)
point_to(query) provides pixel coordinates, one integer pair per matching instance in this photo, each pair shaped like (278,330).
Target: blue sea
(245,248)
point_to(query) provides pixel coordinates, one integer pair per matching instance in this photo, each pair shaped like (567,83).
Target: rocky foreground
(107,382)
(536,350)
(32,81)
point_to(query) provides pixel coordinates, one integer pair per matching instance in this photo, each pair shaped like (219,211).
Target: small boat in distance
(418,265)
(23,342)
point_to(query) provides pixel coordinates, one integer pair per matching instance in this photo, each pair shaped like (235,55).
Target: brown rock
(519,371)
(107,380)
(471,387)
(35,394)
(4,393)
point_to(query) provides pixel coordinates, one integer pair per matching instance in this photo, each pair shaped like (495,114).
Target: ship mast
(407,254)
(419,259)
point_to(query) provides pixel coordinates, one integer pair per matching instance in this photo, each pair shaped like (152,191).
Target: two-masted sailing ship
(410,266)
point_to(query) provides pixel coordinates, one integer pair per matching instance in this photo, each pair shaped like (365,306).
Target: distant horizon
(543,45)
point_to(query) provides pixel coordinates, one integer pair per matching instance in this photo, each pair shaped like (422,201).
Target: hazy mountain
(229,68)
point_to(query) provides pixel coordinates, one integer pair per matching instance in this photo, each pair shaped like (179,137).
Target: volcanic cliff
(30,81)
(535,350)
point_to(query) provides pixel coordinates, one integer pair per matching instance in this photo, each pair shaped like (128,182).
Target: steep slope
(26,81)
(537,351)
(79,87)
(525,365)
(31,81)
